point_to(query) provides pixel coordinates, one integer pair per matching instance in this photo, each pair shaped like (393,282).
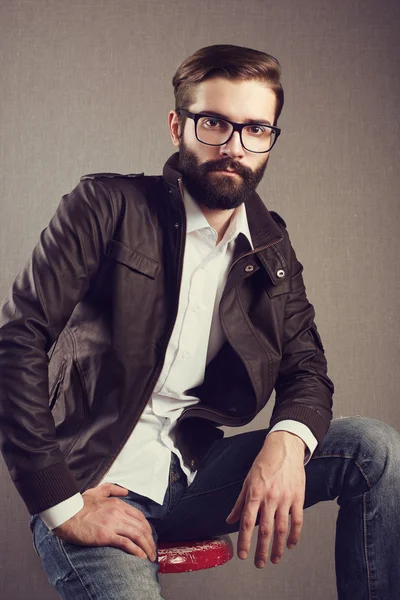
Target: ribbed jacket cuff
(46,488)
(297,412)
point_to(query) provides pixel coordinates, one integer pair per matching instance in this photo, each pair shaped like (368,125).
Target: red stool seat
(175,557)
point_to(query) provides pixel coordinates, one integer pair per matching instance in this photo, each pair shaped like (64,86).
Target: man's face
(204,167)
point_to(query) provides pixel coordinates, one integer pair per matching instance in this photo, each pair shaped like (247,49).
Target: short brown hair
(230,62)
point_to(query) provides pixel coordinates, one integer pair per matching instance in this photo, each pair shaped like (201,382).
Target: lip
(231,173)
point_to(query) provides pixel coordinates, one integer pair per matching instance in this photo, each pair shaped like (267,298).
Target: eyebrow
(245,122)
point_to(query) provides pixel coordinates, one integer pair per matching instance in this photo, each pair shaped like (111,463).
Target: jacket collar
(263,228)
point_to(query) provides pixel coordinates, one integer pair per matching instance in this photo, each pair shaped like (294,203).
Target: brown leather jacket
(84,330)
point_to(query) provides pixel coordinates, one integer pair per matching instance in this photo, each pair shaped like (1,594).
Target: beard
(221,192)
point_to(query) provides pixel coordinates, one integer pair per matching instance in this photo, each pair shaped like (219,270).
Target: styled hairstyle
(230,62)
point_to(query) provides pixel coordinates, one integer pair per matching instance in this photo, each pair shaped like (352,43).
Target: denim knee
(374,445)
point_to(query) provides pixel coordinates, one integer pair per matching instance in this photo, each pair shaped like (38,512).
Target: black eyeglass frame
(236,127)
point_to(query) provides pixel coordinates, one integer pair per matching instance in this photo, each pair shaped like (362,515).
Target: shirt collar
(196,220)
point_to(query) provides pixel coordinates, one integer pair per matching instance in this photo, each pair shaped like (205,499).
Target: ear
(173,123)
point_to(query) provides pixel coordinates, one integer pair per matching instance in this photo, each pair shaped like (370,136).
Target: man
(152,311)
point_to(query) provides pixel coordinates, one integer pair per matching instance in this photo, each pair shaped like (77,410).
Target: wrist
(287,439)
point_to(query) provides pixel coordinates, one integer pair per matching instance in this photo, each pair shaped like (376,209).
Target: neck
(218,219)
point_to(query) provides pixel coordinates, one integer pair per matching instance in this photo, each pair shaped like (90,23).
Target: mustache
(226,164)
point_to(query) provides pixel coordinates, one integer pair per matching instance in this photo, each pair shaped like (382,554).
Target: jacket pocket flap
(277,289)
(133,259)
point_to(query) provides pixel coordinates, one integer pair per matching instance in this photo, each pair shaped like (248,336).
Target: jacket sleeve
(303,388)
(40,302)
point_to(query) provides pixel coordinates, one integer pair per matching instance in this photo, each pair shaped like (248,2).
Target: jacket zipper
(158,369)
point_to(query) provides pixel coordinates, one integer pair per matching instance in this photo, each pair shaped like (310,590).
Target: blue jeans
(358,463)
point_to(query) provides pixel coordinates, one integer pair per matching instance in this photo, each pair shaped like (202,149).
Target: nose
(233,147)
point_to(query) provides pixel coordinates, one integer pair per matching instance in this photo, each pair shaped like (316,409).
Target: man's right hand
(108,521)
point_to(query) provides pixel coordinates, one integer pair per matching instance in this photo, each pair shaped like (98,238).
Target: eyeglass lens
(215,131)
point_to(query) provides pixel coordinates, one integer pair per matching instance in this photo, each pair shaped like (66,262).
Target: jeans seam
(366,546)
(201,493)
(367,562)
(349,458)
(61,545)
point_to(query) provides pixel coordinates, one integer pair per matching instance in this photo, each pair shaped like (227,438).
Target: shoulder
(108,176)
(130,186)
(119,187)
(103,194)
(129,196)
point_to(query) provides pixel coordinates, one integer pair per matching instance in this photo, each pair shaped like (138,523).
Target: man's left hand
(273,488)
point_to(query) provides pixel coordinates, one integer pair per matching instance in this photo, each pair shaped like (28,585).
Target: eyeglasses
(215,131)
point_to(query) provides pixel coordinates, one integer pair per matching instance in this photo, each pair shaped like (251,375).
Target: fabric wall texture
(86,87)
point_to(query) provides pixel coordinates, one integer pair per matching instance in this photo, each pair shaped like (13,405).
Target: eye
(213,123)
(257,129)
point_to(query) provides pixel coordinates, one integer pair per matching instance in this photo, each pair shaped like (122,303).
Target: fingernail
(291,546)
(275,559)
(260,564)
(242,554)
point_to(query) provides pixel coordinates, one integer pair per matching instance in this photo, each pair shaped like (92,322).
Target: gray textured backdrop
(85,86)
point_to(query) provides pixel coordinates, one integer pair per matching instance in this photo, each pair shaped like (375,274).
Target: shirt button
(280,273)
(249,268)
(185,354)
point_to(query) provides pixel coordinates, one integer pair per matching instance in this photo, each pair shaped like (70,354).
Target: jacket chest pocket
(133,259)
(277,289)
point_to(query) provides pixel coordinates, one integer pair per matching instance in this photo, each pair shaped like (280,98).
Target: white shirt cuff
(58,514)
(302,431)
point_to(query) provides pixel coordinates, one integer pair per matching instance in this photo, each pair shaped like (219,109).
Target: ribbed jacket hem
(309,417)
(46,488)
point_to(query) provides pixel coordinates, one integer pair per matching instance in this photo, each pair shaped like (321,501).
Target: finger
(280,533)
(110,489)
(135,513)
(247,524)
(265,531)
(134,518)
(116,505)
(124,543)
(117,490)
(296,525)
(145,531)
(237,510)
(138,537)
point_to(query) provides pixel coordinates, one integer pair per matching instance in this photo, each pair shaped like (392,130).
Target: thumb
(111,489)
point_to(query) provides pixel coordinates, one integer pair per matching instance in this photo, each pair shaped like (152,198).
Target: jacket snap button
(280,273)
(249,268)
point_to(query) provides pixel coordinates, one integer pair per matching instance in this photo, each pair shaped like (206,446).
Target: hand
(274,487)
(108,521)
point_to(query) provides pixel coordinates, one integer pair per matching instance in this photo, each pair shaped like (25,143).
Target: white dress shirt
(143,463)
